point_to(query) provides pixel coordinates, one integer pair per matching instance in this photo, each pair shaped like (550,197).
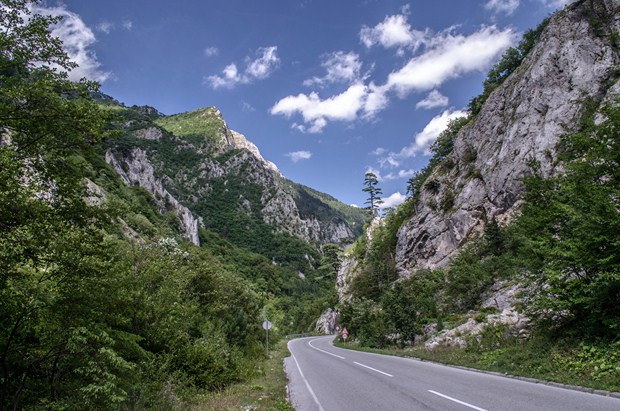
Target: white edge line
(457,401)
(307,384)
(374,369)
(326,352)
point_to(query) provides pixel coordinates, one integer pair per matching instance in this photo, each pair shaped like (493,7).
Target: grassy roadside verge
(581,365)
(267,391)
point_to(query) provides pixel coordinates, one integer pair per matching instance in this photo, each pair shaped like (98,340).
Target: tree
(59,336)
(569,229)
(374,192)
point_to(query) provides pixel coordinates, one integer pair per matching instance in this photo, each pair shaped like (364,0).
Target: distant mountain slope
(213,177)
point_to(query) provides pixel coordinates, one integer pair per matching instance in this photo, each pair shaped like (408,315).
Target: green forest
(103,304)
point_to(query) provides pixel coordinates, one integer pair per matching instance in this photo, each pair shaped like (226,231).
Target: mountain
(572,68)
(509,227)
(213,177)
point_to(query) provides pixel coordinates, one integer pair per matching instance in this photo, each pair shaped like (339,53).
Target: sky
(327,89)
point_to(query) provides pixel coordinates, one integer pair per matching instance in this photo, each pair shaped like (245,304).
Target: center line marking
(326,352)
(374,369)
(457,401)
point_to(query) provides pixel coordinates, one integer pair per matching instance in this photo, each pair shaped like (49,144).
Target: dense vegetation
(102,304)
(562,250)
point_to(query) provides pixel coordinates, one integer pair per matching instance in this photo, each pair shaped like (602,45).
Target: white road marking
(326,352)
(457,401)
(307,384)
(374,369)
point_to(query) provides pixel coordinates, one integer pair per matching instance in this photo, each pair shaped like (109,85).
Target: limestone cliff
(211,176)
(575,61)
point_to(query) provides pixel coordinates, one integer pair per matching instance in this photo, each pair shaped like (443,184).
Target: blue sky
(327,90)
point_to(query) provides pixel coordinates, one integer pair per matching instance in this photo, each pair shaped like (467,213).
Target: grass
(267,391)
(565,362)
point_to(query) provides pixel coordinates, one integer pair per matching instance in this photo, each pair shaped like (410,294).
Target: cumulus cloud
(316,111)
(401,174)
(393,200)
(77,40)
(264,64)
(211,51)
(258,68)
(421,144)
(506,7)
(379,151)
(452,56)
(341,67)
(425,138)
(296,156)
(434,99)
(393,31)
(447,55)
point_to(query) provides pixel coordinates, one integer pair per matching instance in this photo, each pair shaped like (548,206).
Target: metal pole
(267,339)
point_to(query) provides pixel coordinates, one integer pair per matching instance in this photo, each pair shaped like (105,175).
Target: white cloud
(77,39)
(447,56)
(379,151)
(429,134)
(127,24)
(258,68)
(402,174)
(506,7)
(451,56)
(211,51)
(434,99)
(376,100)
(264,64)
(393,200)
(340,67)
(296,156)
(316,112)
(393,31)
(105,27)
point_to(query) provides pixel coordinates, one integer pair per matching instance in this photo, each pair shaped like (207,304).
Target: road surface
(324,377)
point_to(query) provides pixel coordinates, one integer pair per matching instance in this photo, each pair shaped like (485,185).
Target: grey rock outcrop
(346,274)
(181,171)
(137,169)
(327,322)
(520,123)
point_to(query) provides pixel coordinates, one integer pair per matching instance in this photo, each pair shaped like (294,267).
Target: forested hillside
(508,243)
(107,300)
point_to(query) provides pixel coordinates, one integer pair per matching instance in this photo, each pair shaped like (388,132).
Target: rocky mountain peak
(576,60)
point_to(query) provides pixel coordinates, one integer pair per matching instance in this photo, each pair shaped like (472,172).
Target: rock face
(501,300)
(140,172)
(346,273)
(192,161)
(327,322)
(575,60)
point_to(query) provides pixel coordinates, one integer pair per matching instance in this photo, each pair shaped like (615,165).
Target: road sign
(345,333)
(267,327)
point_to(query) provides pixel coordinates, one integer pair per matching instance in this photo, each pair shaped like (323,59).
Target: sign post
(345,333)
(267,326)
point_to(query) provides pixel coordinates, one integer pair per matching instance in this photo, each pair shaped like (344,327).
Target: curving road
(324,377)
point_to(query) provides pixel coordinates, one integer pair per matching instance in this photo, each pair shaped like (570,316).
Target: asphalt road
(324,377)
